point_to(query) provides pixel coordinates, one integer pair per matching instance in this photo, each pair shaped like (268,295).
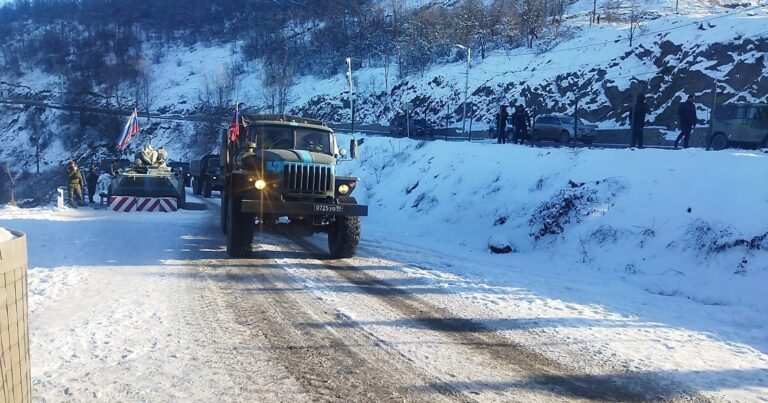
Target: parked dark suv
(417,127)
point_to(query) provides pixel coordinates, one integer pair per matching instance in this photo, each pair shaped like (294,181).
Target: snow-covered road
(147,307)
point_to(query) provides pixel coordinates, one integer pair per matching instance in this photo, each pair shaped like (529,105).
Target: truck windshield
(287,138)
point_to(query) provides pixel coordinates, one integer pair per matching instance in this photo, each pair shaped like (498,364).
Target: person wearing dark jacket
(502,124)
(92,180)
(637,117)
(686,112)
(522,122)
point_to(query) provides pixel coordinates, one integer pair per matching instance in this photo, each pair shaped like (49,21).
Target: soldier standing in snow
(522,122)
(637,120)
(502,124)
(687,114)
(75,185)
(93,178)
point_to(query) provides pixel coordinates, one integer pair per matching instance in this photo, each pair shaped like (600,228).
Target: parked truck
(206,175)
(281,172)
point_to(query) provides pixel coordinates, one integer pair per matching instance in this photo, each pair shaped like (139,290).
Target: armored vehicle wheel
(206,189)
(719,141)
(239,230)
(565,137)
(224,213)
(344,237)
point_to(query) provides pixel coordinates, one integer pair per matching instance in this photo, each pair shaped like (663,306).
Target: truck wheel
(719,142)
(206,188)
(224,213)
(196,189)
(344,237)
(239,230)
(182,199)
(565,137)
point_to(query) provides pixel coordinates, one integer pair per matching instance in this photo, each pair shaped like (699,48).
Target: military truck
(206,175)
(281,172)
(740,125)
(182,167)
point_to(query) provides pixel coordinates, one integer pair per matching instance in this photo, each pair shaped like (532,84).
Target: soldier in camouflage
(75,184)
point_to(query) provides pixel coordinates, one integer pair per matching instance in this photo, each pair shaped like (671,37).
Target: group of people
(77,183)
(686,113)
(521,121)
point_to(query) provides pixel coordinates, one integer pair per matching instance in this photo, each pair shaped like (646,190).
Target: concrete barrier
(14,315)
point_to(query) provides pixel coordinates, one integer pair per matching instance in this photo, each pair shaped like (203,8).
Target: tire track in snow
(543,374)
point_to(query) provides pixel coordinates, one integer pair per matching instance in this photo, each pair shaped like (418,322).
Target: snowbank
(687,223)
(5,235)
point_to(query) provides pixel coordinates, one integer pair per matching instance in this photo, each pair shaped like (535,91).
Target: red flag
(234,127)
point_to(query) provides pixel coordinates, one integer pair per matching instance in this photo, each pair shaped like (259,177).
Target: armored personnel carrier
(149,176)
(281,172)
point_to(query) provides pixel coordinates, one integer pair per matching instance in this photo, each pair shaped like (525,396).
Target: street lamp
(466,86)
(351,89)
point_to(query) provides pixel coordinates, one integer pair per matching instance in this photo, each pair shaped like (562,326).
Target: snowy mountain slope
(671,55)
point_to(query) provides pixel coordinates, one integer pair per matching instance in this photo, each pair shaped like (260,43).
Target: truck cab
(206,175)
(281,173)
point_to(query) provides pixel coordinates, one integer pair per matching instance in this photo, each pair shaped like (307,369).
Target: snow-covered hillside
(589,65)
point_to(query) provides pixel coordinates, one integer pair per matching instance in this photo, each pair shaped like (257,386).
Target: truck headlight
(260,184)
(343,189)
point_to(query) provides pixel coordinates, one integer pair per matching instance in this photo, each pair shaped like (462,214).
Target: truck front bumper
(302,208)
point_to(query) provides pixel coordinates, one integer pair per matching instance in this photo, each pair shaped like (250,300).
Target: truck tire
(206,188)
(196,189)
(565,137)
(344,237)
(182,199)
(224,213)
(239,230)
(719,142)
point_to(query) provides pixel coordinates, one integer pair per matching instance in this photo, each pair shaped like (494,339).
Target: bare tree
(12,177)
(277,80)
(530,18)
(634,20)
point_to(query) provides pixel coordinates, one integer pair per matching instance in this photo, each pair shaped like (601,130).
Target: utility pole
(466,86)
(351,91)
(576,115)
(712,115)
(447,119)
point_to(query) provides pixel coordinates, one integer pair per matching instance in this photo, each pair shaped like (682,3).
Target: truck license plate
(328,208)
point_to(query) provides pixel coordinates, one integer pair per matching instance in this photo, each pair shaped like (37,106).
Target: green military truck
(206,175)
(739,125)
(281,172)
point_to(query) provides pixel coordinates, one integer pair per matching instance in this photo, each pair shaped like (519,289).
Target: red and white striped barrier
(127,204)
